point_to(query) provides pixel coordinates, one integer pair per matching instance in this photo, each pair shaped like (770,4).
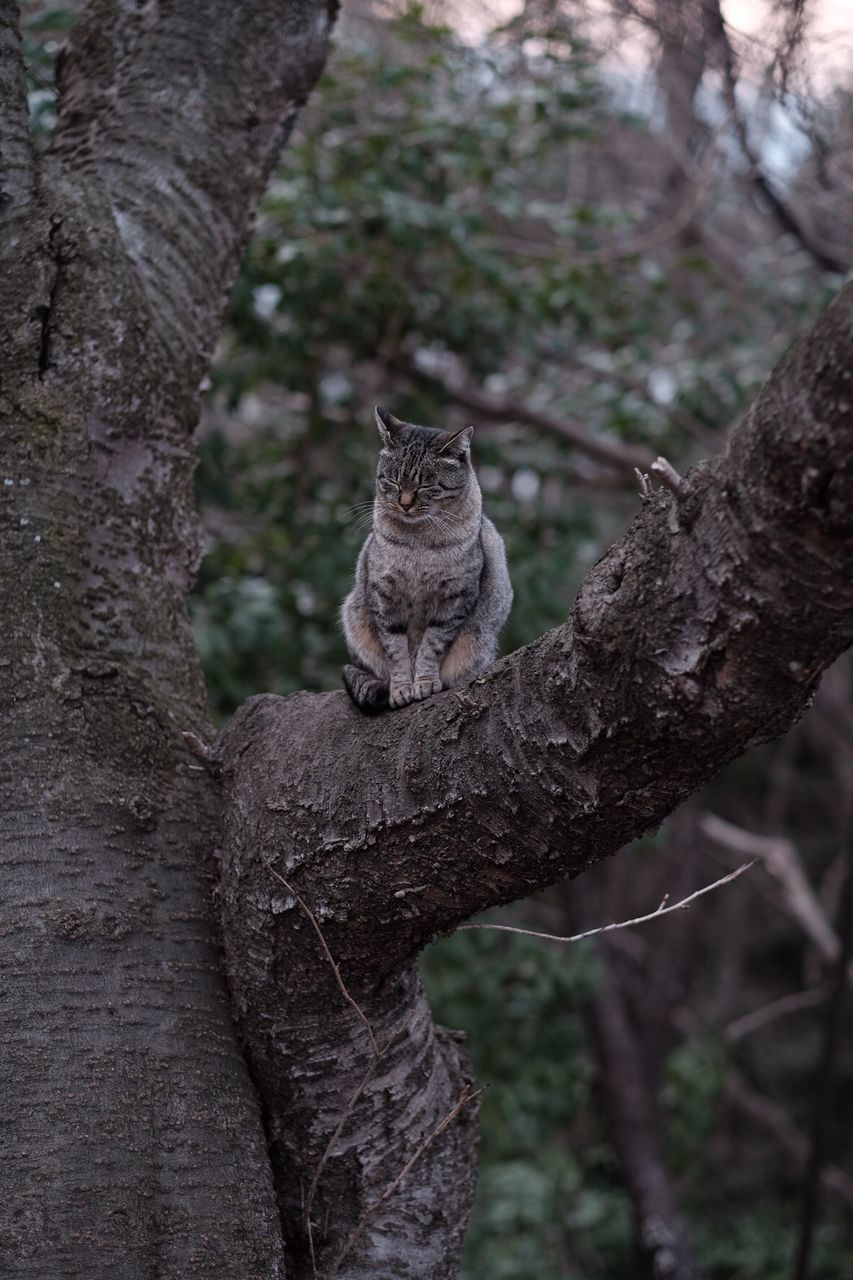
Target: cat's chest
(423,577)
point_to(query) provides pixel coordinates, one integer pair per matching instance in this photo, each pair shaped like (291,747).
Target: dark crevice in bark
(46,313)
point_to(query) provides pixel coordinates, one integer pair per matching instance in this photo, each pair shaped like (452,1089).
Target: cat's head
(422,474)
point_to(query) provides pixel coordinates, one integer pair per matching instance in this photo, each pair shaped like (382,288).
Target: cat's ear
(389,426)
(456,444)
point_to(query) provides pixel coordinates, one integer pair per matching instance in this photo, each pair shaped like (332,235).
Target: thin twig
(330,1145)
(662,910)
(645,482)
(668,474)
(378,1054)
(202,752)
(781,859)
(467,1095)
(757,1018)
(331,959)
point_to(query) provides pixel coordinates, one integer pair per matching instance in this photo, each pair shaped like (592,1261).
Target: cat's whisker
(356,510)
(439,521)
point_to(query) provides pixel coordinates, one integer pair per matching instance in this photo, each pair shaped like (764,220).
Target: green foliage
(694,1081)
(44,27)
(548,1205)
(758,1244)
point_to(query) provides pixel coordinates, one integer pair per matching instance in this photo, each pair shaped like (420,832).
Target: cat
(432,587)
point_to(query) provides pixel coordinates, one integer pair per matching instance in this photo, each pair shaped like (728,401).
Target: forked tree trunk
(133,1141)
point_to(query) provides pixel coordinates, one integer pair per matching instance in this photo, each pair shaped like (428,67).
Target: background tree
(456,179)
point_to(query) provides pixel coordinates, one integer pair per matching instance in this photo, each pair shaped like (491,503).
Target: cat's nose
(407,500)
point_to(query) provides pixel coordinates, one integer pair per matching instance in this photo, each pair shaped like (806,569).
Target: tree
(346,843)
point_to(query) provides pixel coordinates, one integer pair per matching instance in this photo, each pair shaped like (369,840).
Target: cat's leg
(474,647)
(368,688)
(438,639)
(362,636)
(388,622)
(367,691)
(395,642)
(469,654)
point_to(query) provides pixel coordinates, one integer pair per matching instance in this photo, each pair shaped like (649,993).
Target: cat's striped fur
(432,589)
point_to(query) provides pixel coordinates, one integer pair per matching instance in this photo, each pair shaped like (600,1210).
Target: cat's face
(423,476)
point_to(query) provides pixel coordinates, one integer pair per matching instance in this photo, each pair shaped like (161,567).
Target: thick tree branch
(16,147)
(181,110)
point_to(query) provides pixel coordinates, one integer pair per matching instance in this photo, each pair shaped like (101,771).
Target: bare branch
(758,1018)
(637,1130)
(826,1076)
(624,456)
(781,859)
(662,910)
(202,752)
(645,482)
(790,221)
(774,1121)
(668,474)
(306,910)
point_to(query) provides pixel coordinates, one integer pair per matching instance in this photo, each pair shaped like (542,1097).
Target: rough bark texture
(701,633)
(131,1135)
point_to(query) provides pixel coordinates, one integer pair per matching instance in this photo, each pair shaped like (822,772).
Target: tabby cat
(432,589)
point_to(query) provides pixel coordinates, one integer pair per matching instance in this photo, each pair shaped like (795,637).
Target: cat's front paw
(424,686)
(413,691)
(400,695)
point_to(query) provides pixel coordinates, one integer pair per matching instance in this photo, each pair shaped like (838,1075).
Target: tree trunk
(132,1142)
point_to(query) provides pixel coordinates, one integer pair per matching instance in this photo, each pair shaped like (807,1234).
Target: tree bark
(700,633)
(132,1142)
